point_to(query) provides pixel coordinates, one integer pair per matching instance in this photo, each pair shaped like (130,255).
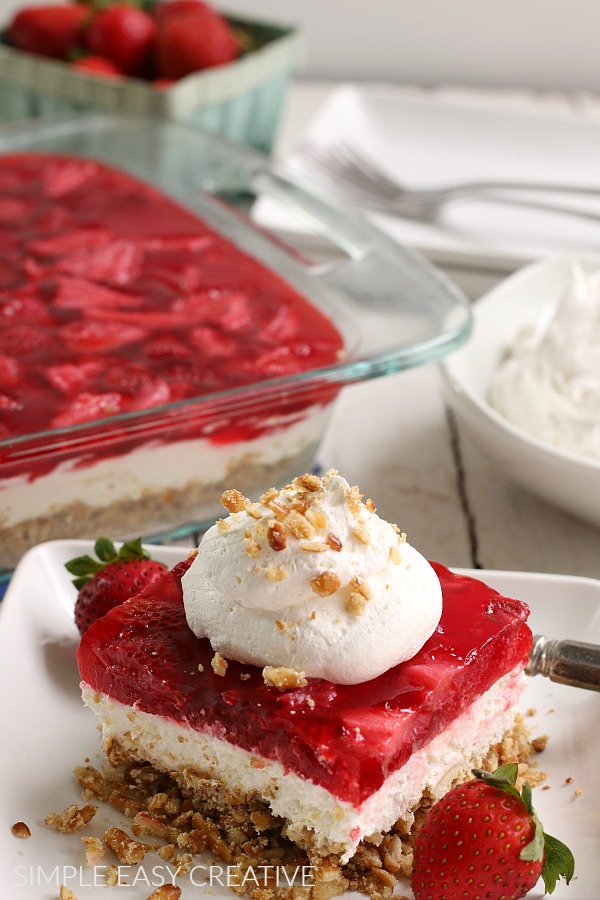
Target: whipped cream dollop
(311,579)
(549,382)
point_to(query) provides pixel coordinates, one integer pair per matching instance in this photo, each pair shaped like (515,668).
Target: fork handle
(539,187)
(566,662)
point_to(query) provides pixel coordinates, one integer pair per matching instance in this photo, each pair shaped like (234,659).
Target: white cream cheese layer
(312,579)
(315,817)
(153,467)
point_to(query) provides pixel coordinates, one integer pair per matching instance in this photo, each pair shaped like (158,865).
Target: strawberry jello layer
(335,762)
(115,300)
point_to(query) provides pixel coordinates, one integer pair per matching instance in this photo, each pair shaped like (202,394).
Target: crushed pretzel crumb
(269,495)
(309,482)
(253,510)
(361,531)
(313,546)
(200,667)
(94,850)
(356,604)
(66,893)
(21,830)
(325,584)
(353,500)
(539,743)
(578,792)
(274,573)
(283,679)
(71,819)
(233,500)
(245,676)
(361,587)
(395,556)
(219,664)
(127,850)
(316,517)
(251,545)
(222,526)
(370,505)
(276,536)
(112,876)
(334,542)
(298,525)
(166,892)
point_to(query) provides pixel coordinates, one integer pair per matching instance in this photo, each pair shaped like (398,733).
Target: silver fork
(361,177)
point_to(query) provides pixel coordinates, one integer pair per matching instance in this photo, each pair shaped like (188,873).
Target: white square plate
(47,731)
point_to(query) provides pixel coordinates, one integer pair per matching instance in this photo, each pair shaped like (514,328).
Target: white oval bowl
(567,480)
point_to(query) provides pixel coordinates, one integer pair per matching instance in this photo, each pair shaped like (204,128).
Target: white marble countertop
(394,438)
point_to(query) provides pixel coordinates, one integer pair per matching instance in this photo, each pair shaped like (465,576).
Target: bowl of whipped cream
(526,386)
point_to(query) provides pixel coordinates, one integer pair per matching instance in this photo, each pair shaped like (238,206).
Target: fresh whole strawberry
(124,34)
(167,9)
(193,41)
(48,30)
(111,579)
(98,65)
(483,841)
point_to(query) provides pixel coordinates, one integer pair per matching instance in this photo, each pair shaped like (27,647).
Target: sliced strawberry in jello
(92,336)
(79,293)
(73,377)
(117,263)
(11,371)
(68,242)
(347,738)
(86,407)
(61,176)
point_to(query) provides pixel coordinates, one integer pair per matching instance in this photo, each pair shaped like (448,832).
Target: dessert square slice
(336,771)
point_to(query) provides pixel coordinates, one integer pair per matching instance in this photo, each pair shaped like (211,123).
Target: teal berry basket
(240,101)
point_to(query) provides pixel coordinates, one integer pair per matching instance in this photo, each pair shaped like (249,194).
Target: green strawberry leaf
(133,550)
(85,567)
(505,778)
(105,550)
(559,863)
(534,850)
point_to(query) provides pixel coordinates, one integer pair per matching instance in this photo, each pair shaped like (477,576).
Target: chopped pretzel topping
(311,483)
(313,546)
(316,517)
(219,664)
(353,499)
(233,500)
(298,525)
(325,583)
(395,556)
(269,495)
(283,679)
(251,545)
(361,532)
(276,536)
(71,819)
(334,542)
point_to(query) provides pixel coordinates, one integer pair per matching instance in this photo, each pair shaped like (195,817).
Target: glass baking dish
(160,471)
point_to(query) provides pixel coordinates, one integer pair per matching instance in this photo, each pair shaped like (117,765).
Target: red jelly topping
(143,654)
(116,299)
